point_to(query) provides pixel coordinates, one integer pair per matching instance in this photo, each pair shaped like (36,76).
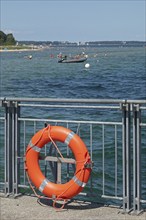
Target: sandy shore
(21,50)
(27,208)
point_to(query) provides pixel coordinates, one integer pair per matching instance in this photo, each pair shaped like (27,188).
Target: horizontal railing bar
(2,118)
(69,106)
(23,186)
(21,99)
(27,187)
(142,124)
(142,108)
(116,101)
(143,201)
(135,101)
(112,197)
(69,121)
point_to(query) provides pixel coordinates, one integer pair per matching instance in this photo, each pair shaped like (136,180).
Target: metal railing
(113,130)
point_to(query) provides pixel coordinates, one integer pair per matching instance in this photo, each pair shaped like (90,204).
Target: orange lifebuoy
(77,146)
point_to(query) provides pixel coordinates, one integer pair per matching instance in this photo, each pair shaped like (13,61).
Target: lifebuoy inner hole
(55,168)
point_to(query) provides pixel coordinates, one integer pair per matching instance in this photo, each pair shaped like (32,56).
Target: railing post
(126,158)
(8,148)
(136,159)
(12,147)
(16,177)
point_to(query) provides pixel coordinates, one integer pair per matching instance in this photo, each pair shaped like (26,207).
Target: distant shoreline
(20,50)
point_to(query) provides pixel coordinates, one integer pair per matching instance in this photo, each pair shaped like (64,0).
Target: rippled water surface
(113,73)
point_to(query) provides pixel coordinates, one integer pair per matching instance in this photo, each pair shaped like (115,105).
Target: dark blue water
(113,73)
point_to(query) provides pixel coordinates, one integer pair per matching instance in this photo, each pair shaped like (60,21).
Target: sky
(74,21)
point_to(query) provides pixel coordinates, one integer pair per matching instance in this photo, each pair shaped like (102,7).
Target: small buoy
(87,65)
(30,57)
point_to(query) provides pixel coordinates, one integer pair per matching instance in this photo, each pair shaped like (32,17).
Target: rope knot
(88,163)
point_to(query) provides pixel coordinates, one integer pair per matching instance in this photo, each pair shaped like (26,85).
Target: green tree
(3,38)
(10,40)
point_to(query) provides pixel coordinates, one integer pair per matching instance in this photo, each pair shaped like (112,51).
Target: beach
(20,50)
(27,207)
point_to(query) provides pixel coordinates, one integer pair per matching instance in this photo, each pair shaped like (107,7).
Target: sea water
(114,73)
(117,73)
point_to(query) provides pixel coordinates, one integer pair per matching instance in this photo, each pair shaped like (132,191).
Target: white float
(87,65)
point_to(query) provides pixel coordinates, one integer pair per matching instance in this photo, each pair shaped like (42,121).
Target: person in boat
(64,57)
(59,55)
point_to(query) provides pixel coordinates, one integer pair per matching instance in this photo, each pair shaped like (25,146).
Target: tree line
(6,39)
